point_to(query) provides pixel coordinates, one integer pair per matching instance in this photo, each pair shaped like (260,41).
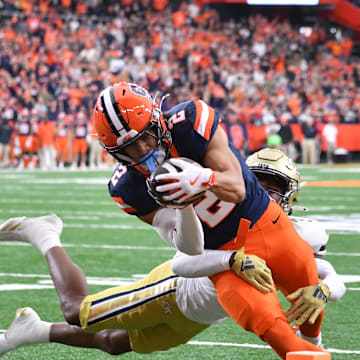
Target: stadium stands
(56,55)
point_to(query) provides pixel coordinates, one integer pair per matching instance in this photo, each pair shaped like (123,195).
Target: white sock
(48,243)
(20,334)
(41,333)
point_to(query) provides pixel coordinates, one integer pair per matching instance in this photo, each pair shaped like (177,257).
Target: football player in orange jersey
(234,212)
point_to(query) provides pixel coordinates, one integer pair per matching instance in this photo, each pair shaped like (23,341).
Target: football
(168,167)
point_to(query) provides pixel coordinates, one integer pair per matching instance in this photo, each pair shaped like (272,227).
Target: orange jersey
(46,132)
(61,144)
(80,145)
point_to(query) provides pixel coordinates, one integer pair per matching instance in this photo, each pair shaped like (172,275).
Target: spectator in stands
(63,140)
(23,130)
(236,131)
(47,134)
(80,140)
(309,142)
(6,130)
(58,63)
(329,133)
(287,137)
(95,150)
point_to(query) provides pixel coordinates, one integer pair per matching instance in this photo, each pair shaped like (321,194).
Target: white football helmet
(274,163)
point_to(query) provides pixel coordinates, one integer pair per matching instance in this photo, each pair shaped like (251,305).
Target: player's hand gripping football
(252,269)
(307,303)
(180,186)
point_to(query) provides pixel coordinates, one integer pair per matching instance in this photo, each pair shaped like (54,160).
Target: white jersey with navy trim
(197,300)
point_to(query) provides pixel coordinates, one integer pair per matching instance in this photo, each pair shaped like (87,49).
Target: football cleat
(41,231)
(27,328)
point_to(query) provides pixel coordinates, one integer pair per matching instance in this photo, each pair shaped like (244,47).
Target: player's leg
(27,329)
(147,309)
(70,283)
(283,242)
(112,341)
(259,313)
(312,333)
(44,233)
(262,313)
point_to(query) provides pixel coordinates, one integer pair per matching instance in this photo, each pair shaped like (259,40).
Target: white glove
(192,180)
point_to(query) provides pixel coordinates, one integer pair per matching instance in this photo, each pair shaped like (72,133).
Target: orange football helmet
(123,113)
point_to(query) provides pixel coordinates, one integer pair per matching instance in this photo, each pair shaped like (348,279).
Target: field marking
(135,247)
(341,254)
(333,183)
(58,202)
(95,246)
(346,228)
(45,280)
(251,346)
(70,214)
(78,180)
(256,346)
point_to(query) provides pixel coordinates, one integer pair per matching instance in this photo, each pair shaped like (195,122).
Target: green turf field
(113,247)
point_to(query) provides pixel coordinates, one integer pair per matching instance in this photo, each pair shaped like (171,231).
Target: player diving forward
(183,306)
(132,128)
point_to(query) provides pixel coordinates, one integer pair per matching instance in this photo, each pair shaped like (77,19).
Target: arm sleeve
(210,262)
(181,229)
(331,279)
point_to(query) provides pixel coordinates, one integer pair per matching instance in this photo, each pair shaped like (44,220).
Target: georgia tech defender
(155,313)
(278,175)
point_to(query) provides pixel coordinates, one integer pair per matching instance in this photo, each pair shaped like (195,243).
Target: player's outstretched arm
(331,279)
(229,183)
(250,268)
(181,229)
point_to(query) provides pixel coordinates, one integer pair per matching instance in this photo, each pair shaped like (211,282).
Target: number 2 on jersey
(213,211)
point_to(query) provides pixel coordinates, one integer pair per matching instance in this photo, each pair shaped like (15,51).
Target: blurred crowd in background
(55,57)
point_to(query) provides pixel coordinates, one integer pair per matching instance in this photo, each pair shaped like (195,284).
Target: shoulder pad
(313,232)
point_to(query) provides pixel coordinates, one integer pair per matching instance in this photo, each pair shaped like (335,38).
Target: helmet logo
(138,90)
(263,166)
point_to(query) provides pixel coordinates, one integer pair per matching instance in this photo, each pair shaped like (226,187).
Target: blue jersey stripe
(130,291)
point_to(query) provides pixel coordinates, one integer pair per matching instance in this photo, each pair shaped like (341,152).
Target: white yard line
(58,202)
(136,247)
(252,346)
(44,280)
(256,346)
